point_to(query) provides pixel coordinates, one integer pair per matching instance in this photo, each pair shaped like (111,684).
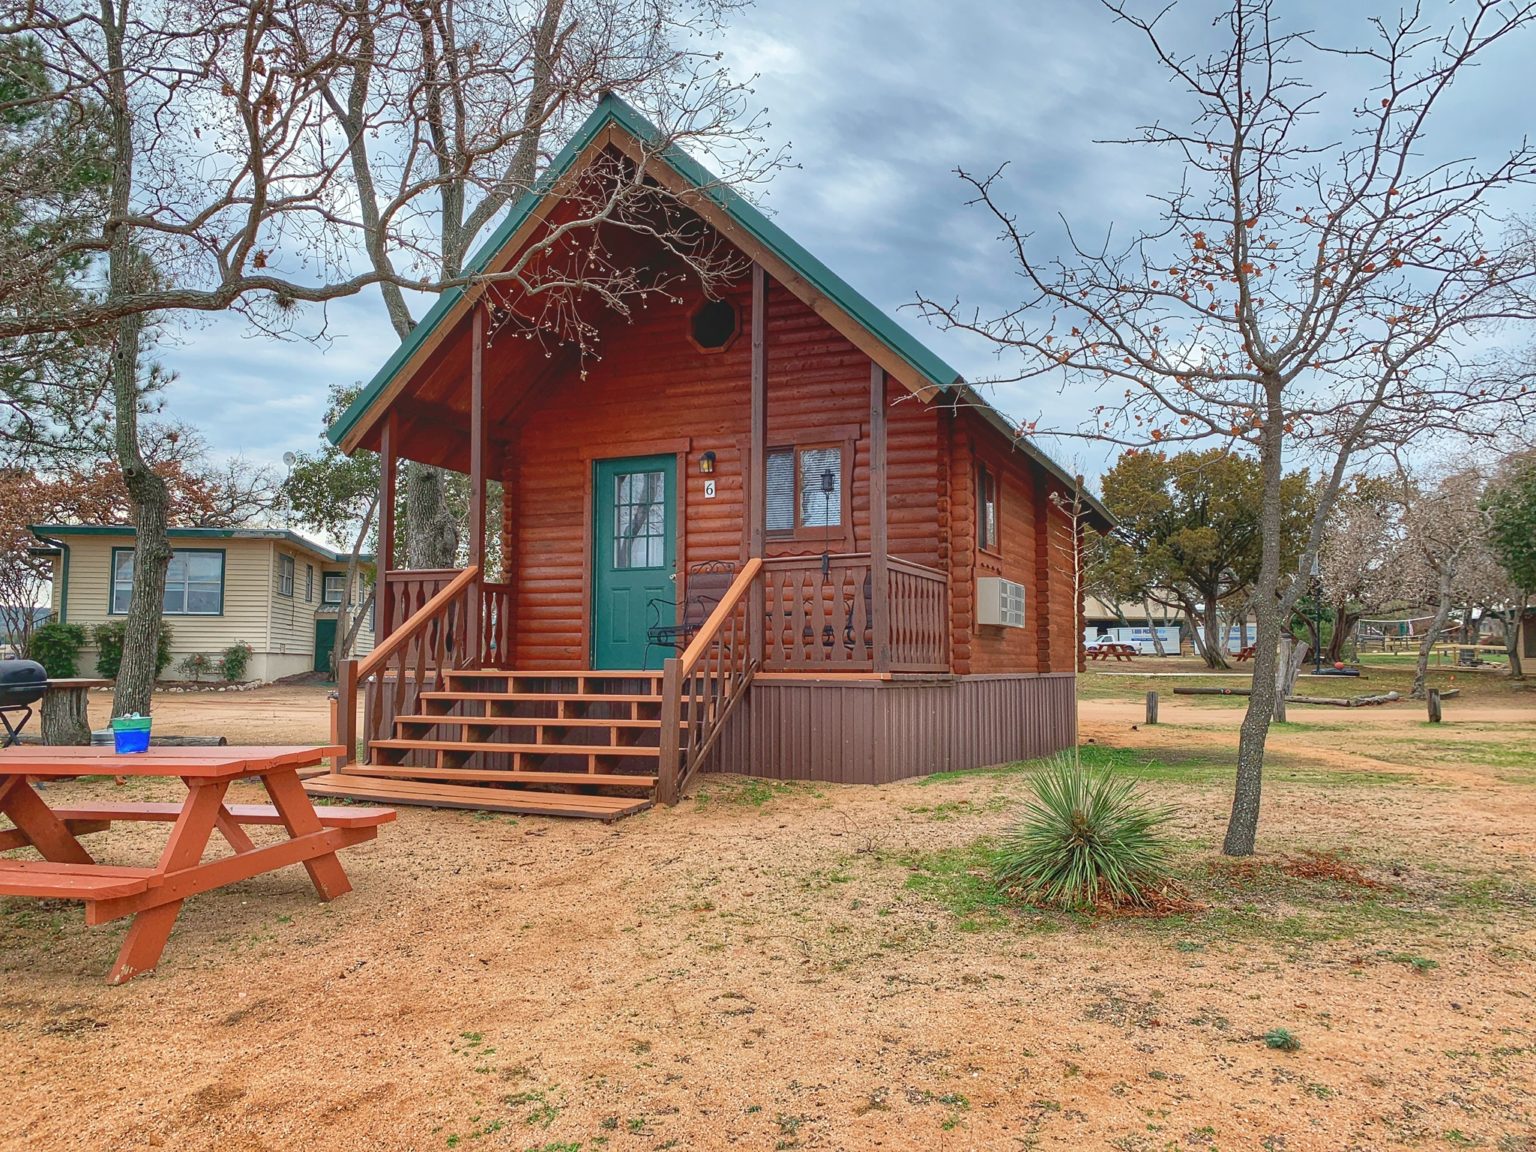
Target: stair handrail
(682,751)
(351,673)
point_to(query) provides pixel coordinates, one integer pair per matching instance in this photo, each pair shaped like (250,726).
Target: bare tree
(1300,297)
(233,184)
(447,108)
(1356,554)
(1444,530)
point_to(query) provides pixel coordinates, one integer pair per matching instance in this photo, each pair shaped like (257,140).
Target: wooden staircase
(545,743)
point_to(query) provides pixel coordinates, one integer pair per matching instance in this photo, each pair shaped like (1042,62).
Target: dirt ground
(779,967)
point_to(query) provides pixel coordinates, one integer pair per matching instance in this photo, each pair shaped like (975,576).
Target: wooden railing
(821,618)
(701,687)
(497,642)
(407,592)
(442,634)
(919,617)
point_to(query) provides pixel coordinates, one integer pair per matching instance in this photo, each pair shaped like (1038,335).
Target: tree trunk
(347,622)
(1442,613)
(1512,639)
(1243,825)
(1344,622)
(1215,650)
(147,492)
(1157,640)
(431,532)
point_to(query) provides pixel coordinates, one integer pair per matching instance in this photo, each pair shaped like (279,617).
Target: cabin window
(640,520)
(194,583)
(285,575)
(714,325)
(309,583)
(330,592)
(986,508)
(805,489)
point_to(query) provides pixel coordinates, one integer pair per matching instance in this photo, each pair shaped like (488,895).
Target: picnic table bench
(153,895)
(1246,653)
(1118,651)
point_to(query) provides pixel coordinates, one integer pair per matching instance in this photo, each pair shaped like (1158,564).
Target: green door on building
(325,642)
(633,555)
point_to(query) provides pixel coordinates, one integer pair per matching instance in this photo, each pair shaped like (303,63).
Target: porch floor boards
(432,754)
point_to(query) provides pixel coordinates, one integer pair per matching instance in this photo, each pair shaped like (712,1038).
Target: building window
(986,508)
(714,325)
(194,583)
(285,575)
(309,583)
(805,489)
(335,583)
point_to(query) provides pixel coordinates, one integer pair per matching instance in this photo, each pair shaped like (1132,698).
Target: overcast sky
(879,100)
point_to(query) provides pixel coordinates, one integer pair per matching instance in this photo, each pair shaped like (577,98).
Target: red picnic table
(153,896)
(1105,651)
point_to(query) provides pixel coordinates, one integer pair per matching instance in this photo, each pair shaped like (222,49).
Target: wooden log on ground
(1151,707)
(1212,691)
(1348,701)
(188,741)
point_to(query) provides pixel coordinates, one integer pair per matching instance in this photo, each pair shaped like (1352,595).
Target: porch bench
(47,880)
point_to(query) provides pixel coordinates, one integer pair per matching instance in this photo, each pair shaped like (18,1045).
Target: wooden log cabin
(764,531)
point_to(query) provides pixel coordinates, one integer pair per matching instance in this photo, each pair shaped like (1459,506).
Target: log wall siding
(653,391)
(874,732)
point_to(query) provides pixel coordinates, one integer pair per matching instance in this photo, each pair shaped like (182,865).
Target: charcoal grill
(22,684)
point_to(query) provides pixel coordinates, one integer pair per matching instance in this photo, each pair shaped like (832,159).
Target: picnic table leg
(151,928)
(298,814)
(28,811)
(231,830)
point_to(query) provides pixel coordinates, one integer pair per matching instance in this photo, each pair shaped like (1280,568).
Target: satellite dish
(290,459)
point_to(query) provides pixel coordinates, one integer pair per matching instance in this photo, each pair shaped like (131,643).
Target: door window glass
(639,520)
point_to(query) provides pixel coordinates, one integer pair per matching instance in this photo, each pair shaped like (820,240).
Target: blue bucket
(130,734)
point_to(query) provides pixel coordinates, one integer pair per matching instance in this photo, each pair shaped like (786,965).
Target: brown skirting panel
(874,731)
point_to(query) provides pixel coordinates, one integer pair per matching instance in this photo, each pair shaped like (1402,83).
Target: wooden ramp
(583,744)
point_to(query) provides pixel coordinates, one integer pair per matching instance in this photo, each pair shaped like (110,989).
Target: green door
(635,524)
(325,642)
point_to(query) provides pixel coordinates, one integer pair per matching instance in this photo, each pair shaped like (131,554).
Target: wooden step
(538,749)
(534,721)
(504,776)
(595,697)
(518,674)
(486,798)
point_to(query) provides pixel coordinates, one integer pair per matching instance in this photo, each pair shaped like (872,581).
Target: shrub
(55,646)
(195,666)
(1281,1040)
(108,639)
(1087,837)
(234,661)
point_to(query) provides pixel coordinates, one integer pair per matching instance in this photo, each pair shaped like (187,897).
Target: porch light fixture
(707,464)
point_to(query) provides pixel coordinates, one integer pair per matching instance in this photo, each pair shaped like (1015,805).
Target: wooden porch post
(476,473)
(757,457)
(388,468)
(879,545)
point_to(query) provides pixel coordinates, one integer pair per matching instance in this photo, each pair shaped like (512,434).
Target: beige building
(271,588)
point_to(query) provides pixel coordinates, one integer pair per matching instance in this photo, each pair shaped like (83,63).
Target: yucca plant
(1087,837)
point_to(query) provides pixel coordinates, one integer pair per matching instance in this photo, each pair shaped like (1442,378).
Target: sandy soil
(750,970)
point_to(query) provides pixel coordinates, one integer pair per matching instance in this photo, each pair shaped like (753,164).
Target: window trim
(693,315)
(993,546)
(845,440)
(287,569)
(325,600)
(221,553)
(309,583)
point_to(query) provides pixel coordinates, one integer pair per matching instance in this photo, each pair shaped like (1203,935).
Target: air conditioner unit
(1000,602)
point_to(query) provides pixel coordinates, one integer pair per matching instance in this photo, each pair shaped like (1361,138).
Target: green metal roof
(613,110)
(45,532)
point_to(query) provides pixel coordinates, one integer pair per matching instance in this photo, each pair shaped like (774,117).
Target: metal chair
(707,583)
